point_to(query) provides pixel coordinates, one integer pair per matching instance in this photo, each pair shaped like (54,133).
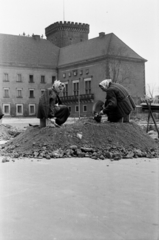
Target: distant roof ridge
(24,36)
(91,39)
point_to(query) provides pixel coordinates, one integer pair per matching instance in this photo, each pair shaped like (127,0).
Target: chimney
(36,37)
(101,34)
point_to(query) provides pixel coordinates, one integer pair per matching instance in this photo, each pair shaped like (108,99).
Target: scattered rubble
(153,134)
(84,138)
(5,159)
(7,132)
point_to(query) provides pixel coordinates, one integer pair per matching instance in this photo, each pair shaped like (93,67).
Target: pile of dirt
(84,138)
(7,132)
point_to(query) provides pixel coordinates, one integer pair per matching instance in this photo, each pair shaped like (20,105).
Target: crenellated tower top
(66,33)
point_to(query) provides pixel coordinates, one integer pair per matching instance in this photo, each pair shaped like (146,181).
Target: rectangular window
(6,109)
(84,108)
(76,108)
(19,77)
(31,78)
(42,79)
(31,93)
(19,93)
(65,91)
(87,85)
(53,79)
(6,77)
(31,109)
(76,88)
(69,109)
(6,92)
(19,109)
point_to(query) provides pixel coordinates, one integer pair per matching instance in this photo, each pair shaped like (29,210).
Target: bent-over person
(118,104)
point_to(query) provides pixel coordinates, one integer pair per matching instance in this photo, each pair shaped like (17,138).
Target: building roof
(37,52)
(28,51)
(104,45)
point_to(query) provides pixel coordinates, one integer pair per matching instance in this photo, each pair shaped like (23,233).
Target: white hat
(105,83)
(58,86)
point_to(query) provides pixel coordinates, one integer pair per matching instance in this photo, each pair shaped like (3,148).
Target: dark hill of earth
(84,138)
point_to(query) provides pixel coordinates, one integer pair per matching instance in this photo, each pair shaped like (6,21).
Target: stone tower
(66,33)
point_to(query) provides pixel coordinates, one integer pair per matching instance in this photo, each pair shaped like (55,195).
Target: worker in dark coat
(118,104)
(50,105)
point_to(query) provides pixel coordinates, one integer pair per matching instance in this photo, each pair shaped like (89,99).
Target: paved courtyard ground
(78,198)
(24,122)
(67,199)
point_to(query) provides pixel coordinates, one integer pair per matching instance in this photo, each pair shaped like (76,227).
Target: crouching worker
(50,106)
(118,104)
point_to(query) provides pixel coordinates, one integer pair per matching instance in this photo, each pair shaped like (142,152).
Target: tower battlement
(66,26)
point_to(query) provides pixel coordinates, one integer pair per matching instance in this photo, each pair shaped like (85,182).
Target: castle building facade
(28,65)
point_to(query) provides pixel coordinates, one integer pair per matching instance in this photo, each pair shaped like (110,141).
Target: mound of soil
(83,138)
(7,132)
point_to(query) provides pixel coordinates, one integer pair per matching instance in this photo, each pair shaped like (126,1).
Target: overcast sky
(135,22)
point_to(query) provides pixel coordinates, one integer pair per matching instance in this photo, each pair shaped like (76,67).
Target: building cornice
(106,57)
(28,66)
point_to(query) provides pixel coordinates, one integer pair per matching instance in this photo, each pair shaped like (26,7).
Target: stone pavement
(24,122)
(79,199)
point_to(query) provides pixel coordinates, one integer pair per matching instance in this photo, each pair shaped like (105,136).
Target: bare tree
(114,66)
(120,72)
(150,91)
(114,69)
